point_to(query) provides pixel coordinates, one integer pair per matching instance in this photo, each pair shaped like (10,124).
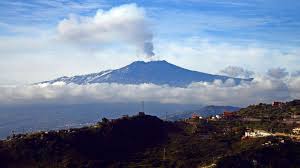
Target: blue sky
(202,35)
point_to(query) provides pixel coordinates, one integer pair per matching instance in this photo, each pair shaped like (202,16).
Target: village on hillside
(287,114)
(147,141)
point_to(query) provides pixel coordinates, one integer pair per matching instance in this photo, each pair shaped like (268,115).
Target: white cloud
(44,12)
(210,55)
(277,73)
(235,71)
(122,24)
(217,93)
(294,87)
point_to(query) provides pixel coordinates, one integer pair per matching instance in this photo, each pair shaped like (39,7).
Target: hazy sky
(41,40)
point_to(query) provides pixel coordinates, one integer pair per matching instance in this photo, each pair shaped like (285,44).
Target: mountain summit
(156,72)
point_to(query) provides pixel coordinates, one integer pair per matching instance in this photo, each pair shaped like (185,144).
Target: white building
(257,133)
(296,131)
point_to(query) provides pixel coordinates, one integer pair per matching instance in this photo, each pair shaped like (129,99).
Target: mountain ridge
(206,111)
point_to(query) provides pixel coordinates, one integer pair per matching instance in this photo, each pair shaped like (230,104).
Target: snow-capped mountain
(156,72)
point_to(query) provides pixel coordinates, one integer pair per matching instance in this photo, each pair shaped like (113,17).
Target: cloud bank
(125,24)
(235,71)
(263,89)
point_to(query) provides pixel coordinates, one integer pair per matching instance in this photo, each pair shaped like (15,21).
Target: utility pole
(164,157)
(166,116)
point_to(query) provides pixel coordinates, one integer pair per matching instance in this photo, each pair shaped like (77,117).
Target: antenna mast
(164,156)
(166,116)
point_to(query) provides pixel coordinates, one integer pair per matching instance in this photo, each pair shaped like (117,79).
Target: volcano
(140,72)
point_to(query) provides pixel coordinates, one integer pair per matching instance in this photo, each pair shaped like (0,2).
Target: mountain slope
(155,72)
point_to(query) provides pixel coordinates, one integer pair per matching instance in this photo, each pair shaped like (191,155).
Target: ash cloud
(125,25)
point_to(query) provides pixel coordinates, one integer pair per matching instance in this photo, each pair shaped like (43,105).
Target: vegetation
(107,143)
(269,112)
(277,154)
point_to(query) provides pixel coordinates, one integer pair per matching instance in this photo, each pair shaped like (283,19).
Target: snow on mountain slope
(156,72)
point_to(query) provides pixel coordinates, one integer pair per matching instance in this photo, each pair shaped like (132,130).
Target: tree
(105,120)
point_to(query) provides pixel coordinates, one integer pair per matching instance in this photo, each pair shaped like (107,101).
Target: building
(229,115)
(125,116)
(256,133)
(296,131)
(196,116)
(295,116)
(216,117)
(277,104)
